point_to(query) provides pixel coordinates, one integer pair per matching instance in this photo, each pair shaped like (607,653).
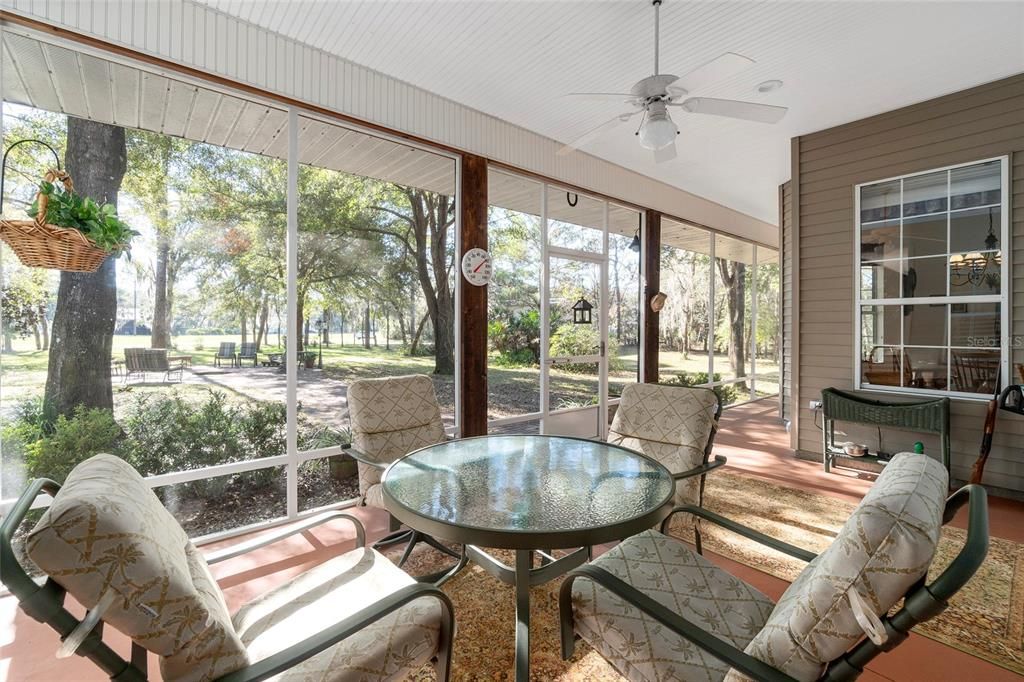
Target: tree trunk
(416,336)
(431,216)
(45,326)
(86,311)
(299,318)
(160,336)
(366,327)
(245,326)
(735,281)
(261,329)
(325,339)
(38,336)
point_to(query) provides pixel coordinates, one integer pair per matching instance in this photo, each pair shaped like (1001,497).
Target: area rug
(986,619)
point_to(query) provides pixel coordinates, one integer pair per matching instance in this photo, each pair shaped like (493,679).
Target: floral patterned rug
(986,619)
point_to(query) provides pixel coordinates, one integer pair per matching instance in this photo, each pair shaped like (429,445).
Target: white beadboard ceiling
(55,78)
(59,79)
(840,61)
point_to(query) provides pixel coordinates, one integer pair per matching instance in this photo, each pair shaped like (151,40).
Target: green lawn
(511,390)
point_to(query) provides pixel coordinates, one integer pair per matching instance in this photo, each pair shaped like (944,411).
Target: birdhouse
(581,312)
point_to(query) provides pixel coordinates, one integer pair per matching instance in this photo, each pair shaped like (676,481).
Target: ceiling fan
(653,95)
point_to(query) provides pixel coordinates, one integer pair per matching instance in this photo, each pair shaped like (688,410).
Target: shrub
(581,339)
(727,394)
(163,433)
(68,441)
(168,433)
(575,339)
(516,338)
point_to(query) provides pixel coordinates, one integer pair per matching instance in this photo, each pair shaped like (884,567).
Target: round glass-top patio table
(528,492)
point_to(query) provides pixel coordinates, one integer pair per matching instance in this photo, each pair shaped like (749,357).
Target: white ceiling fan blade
(602,96)
(665,153)
(717,69)
(748,111)
(594,132)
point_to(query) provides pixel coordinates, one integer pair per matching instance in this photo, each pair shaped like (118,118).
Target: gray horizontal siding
(983,122)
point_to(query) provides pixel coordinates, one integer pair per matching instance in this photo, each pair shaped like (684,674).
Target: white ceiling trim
(209,40)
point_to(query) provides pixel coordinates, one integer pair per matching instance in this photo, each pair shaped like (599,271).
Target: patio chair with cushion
(140,361)
(225,352)
(390,418)
(656,610)
(675,425)
(107,541)
(248,351)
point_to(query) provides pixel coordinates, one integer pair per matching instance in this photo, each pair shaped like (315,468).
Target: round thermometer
(476,267)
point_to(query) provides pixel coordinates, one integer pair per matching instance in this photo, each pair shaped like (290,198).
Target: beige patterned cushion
(885,546)
(671,424)
(392,648)
(107,530)
(686,583)
(391,417)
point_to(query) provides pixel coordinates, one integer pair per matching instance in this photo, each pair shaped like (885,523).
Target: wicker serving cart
(925,416)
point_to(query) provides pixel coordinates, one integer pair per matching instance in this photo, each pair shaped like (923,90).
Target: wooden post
(652,285)
(474,299)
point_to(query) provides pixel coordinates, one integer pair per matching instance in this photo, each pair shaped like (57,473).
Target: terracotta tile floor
(753,440)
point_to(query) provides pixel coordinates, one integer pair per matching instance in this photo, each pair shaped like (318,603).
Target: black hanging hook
(3,164)
(574,201)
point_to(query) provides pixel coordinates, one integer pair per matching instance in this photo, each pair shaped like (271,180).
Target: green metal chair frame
(45,603)
(248,351)
(226,351)
(922,602)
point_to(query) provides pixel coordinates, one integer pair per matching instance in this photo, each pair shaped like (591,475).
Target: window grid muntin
(1000,298)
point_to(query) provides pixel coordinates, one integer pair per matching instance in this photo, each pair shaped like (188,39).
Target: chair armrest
(311,646)
(718,461)
(14,576)
(740,529)
(364,458)
(723,651)
(270,538)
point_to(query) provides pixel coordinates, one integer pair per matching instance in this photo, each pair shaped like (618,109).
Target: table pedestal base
(523,575)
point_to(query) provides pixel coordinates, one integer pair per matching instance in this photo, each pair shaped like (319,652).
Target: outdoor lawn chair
(247,352)
(390,418)
(108,542)
(225,352)
(143,360)
(675,425)
(657,610)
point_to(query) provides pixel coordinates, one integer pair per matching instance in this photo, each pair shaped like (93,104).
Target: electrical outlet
(814,405)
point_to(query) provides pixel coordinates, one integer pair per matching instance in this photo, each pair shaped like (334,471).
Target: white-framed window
(931,302)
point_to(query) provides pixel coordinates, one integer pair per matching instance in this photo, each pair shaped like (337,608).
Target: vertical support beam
(292,295)
(780,348)
(652,285)
(545,326)
(473,307)
(794,316)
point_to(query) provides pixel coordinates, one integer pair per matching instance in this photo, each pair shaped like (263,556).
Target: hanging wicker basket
(39,244)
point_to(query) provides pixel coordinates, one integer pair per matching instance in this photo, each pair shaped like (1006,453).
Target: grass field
(511,390)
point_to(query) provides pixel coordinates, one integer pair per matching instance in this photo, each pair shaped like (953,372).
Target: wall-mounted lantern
(581,312)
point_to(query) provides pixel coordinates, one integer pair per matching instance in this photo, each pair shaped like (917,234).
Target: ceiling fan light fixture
(769,86)
(658,130)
